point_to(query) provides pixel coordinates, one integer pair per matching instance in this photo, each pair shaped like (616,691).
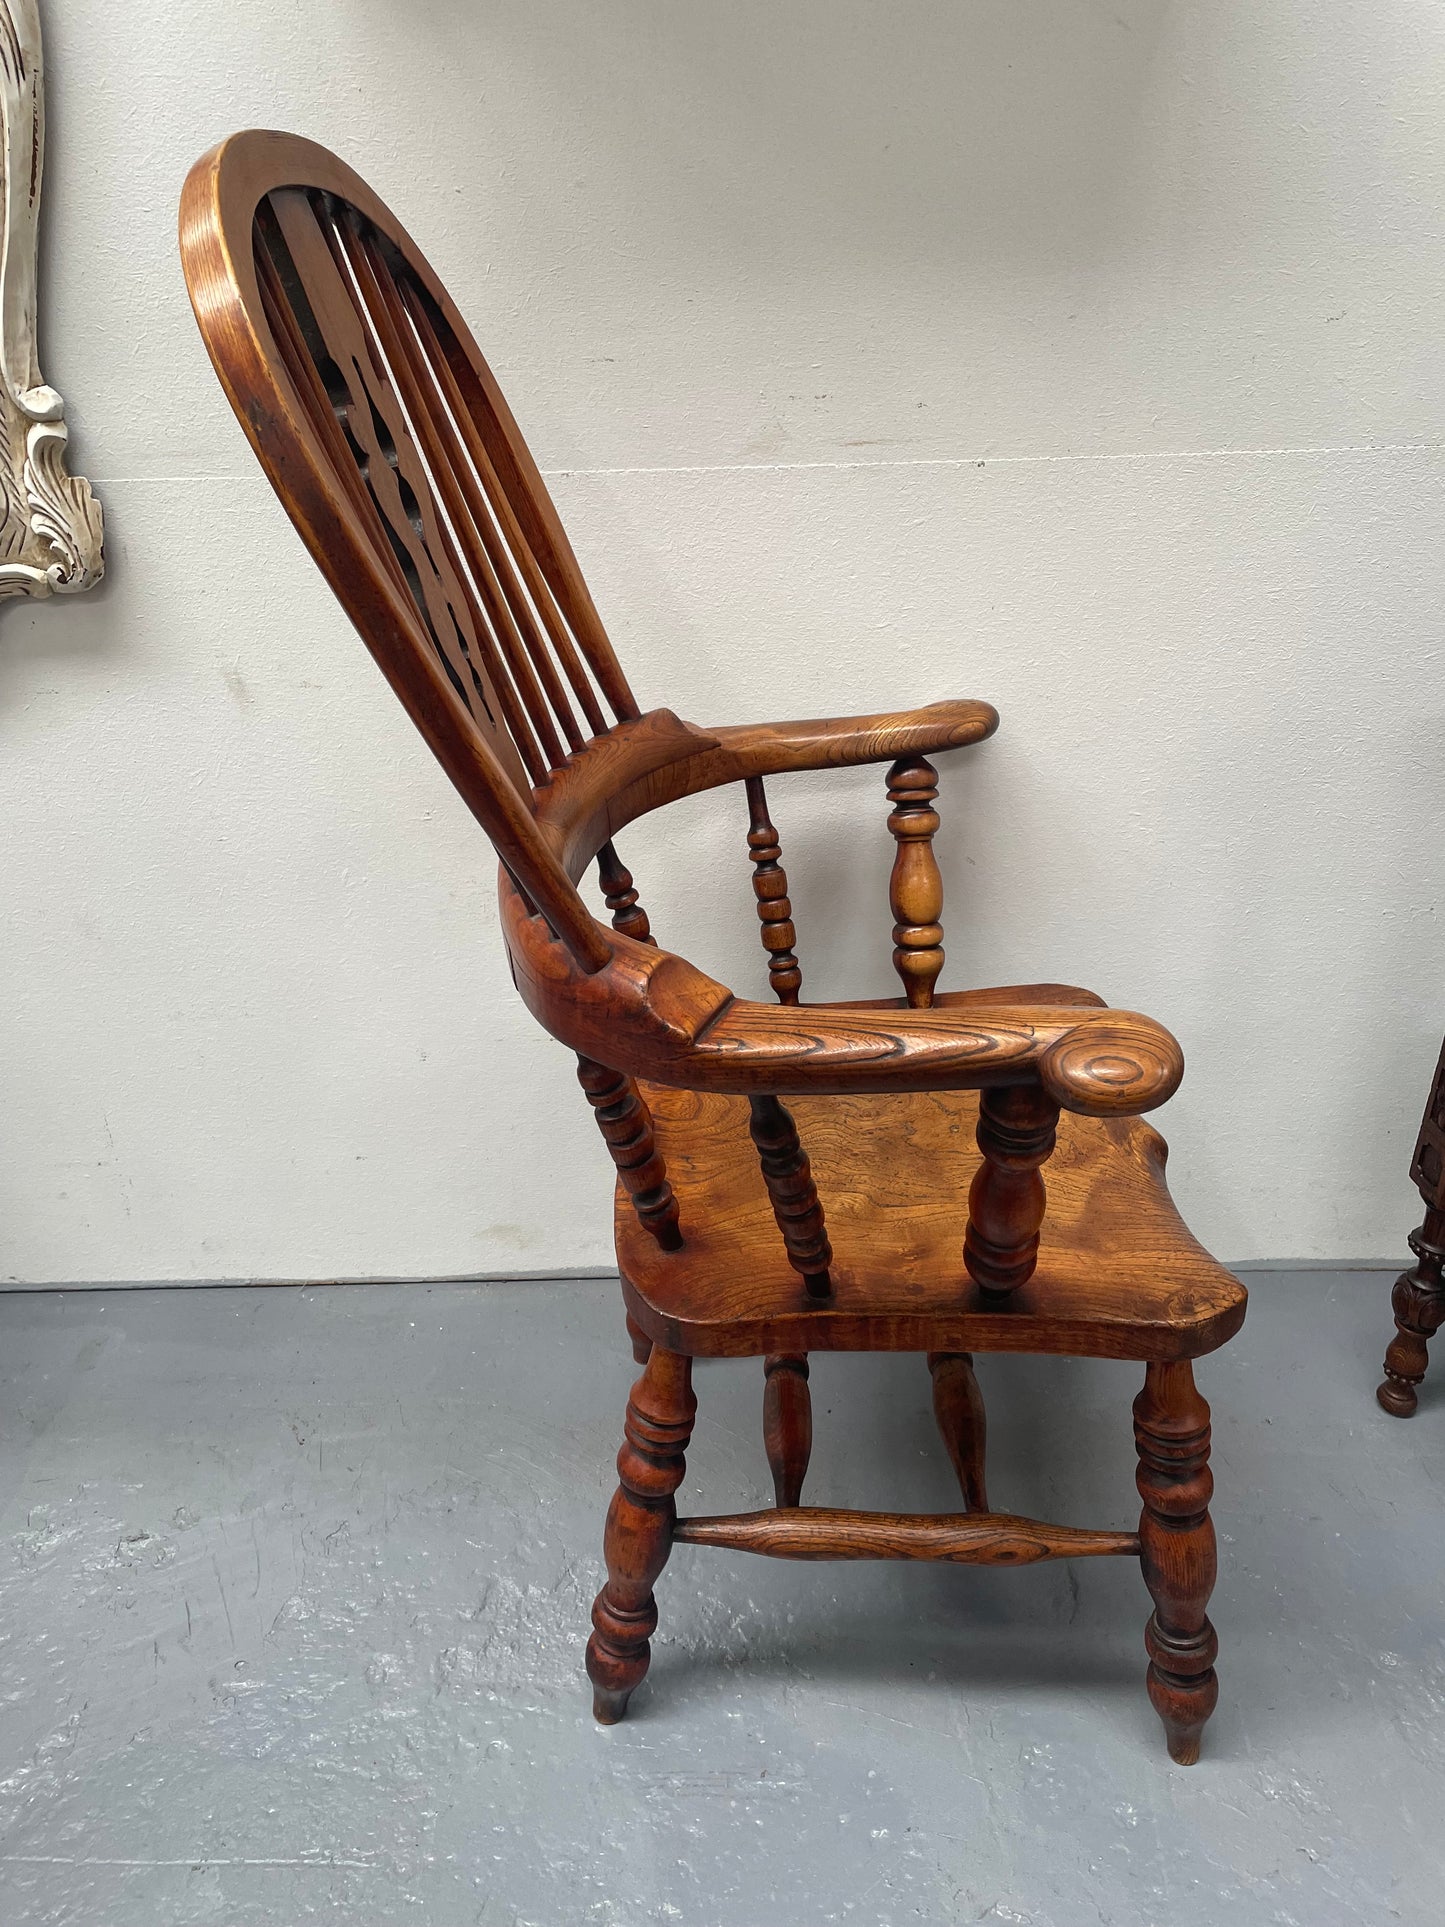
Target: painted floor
(294,1584)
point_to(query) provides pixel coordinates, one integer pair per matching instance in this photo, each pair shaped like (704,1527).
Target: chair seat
(1119,1275)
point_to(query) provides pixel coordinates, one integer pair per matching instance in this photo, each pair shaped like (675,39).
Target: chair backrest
(393,451)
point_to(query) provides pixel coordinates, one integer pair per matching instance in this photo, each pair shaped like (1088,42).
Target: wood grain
(1118,1274)
(966,1539)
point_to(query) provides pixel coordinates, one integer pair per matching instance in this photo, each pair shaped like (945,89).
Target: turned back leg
(1177,1552)
(787,1423)
(650,1468)
(958,1408)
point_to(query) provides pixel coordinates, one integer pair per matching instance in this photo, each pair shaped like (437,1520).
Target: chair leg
(787,1423)
(640,1523)
(1418,1302)
(958,1408)
(641,1343)
(1177,1553)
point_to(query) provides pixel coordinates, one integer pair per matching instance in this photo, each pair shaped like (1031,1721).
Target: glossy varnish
(940,1173)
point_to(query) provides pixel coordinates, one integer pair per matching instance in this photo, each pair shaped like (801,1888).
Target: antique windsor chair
(390,445)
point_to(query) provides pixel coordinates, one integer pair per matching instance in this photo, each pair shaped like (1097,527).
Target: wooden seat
(1119,1275)
(958,1171)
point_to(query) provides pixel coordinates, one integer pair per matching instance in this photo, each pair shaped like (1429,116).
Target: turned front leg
(789,1179)
(626,1126)
(787,1423)
(640,1523)
(1177,1552)
(915,890)
(1016,1126)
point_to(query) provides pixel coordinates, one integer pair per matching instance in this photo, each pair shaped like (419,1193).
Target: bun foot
(1397,1398)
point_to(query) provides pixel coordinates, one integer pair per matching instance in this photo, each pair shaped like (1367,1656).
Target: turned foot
(638,1539)
(1177,1552)
(1418,1302)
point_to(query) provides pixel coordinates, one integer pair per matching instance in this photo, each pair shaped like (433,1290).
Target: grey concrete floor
(294,1583)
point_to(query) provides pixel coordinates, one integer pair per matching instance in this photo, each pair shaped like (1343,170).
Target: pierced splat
(770,886)
(794,1196)
(915,890)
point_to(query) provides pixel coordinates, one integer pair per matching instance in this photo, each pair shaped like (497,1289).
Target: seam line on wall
(995,461)
(910,461)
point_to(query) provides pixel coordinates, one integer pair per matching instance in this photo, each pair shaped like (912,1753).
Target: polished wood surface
(971,1539)
(962,1420)
(1118,1276)
(952,1172)
(1418,1299)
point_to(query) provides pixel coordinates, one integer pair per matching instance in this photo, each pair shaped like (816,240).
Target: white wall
(1084,357)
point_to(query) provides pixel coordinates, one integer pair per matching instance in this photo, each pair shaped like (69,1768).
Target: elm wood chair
(1418,1300)
(917,1218)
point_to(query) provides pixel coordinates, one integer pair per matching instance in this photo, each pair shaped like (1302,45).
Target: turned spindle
(1418,1300)
(787,1423)
(1016,1124)
(641,1343)
(626,1126)
(959,1410)
(789,1178)
(628,915)
(915,889)
(638,1537)
(770,887)
(1177,1552)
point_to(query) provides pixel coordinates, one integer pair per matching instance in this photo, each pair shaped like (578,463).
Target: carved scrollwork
(51,529)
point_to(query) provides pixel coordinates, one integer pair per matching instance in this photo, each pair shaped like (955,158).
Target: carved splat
(794,1197)
(915,890)
(1177,1552)
(770,887)
(626,1126)
(638,1538)
(628,915)
(787,1423)
(1016,1126)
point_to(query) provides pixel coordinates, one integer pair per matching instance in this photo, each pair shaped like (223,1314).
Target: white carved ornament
(51,529)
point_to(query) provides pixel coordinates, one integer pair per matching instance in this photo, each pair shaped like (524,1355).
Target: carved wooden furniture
(1418,1300)
(51,528)
(940,1173)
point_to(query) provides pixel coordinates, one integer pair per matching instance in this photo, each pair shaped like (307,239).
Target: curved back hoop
(389,443)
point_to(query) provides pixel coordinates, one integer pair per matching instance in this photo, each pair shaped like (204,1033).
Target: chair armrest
(1105,1063)
(765,749)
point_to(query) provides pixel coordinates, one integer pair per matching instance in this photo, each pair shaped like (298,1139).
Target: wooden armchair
(392,449)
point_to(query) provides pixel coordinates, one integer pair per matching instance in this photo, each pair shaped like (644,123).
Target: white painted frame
(51,527)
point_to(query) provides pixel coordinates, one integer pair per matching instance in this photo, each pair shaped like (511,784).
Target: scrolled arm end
(1117,1064)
